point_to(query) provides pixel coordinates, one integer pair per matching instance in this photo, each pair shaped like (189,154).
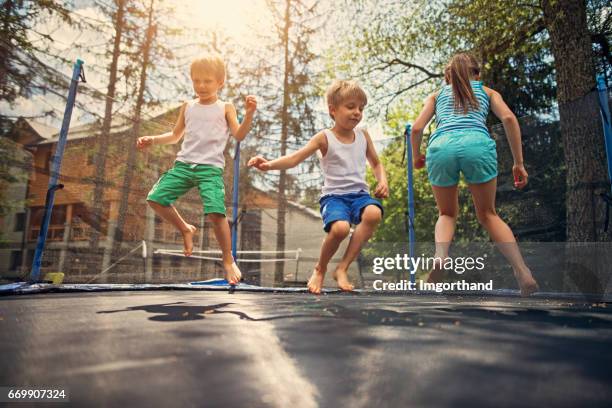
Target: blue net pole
(77,73)
(606,120)
(410,210)
(235,200)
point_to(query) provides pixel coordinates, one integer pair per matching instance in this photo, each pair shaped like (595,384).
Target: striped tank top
(449,120)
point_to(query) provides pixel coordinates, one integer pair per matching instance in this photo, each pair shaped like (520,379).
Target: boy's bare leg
(370,218)
(170,214)
(447,201)
(223,235)
(338,231)
(483,196)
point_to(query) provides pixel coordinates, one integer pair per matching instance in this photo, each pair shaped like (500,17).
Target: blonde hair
(341,90)
(212,63)
(461,68)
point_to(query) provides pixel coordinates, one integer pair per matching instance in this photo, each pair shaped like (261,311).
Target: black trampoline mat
(211,348)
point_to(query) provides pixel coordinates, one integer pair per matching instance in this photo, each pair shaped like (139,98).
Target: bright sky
(240,21)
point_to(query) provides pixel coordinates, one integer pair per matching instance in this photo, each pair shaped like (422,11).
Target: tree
(293,116)
(145,57)
(527,52)
(102,141)
(25,53)
(581,131)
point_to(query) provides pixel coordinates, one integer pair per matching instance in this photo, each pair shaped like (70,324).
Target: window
(49,161)
(15,260)
(36,216)
(19,222)
(58,215)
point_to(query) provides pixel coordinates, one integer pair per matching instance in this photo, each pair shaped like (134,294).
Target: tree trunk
(580,120)
(282,202)
(102,140)
(5,50)
(117,239)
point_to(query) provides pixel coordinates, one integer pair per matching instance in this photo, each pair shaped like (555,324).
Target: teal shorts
(183,177)
(472,153)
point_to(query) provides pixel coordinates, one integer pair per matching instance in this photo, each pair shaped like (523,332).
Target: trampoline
(138,337)
(209,348)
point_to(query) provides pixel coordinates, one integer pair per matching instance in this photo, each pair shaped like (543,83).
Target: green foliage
(400,56)
(13,173)
(404,48)
(25,53)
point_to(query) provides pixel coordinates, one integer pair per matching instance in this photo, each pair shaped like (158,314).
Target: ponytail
(459,71)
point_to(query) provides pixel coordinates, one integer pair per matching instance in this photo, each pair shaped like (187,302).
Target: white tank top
(344,165)
(206,134)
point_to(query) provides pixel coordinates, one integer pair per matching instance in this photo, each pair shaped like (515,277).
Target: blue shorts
(472,153)
(345,207)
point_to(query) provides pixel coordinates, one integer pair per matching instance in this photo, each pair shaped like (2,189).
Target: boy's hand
(418,160)
(144,142)
(259,163)
(382,190)
(520,176)
(250,103)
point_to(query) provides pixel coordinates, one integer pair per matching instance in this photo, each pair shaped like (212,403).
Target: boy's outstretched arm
(416,135)
(168,137)
(240,130)
(291,160)
(513,133)
(382,188)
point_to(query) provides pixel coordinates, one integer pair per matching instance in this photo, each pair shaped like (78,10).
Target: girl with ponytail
(461,143)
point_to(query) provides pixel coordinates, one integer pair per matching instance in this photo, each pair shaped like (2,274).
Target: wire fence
(536,214)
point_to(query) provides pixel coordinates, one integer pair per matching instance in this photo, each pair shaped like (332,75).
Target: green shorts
(472,153)
(182,177)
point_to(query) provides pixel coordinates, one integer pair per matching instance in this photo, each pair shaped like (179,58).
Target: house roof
(305,209)
(257,198)
(43,130)
(87,130)
(119,124)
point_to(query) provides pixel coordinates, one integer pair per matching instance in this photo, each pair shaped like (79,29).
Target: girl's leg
(447,201)
(370,218)
(483,195)
(170,214)
(338,231)
(223,235)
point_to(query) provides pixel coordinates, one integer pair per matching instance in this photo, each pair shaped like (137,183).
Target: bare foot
(527,284)
(232,273)
(341,277)
(435,276)
(188,239)
(315,283)
(437,272)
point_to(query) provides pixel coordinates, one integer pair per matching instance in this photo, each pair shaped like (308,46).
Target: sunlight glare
(239,20)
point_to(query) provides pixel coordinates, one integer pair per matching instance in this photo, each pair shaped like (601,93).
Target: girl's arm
(513,133)
(382,188)
(240,130)
(416,135)
(168,137)
(291,160)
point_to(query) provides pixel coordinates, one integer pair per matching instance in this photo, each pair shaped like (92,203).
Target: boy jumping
(345,198)
(206,123)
